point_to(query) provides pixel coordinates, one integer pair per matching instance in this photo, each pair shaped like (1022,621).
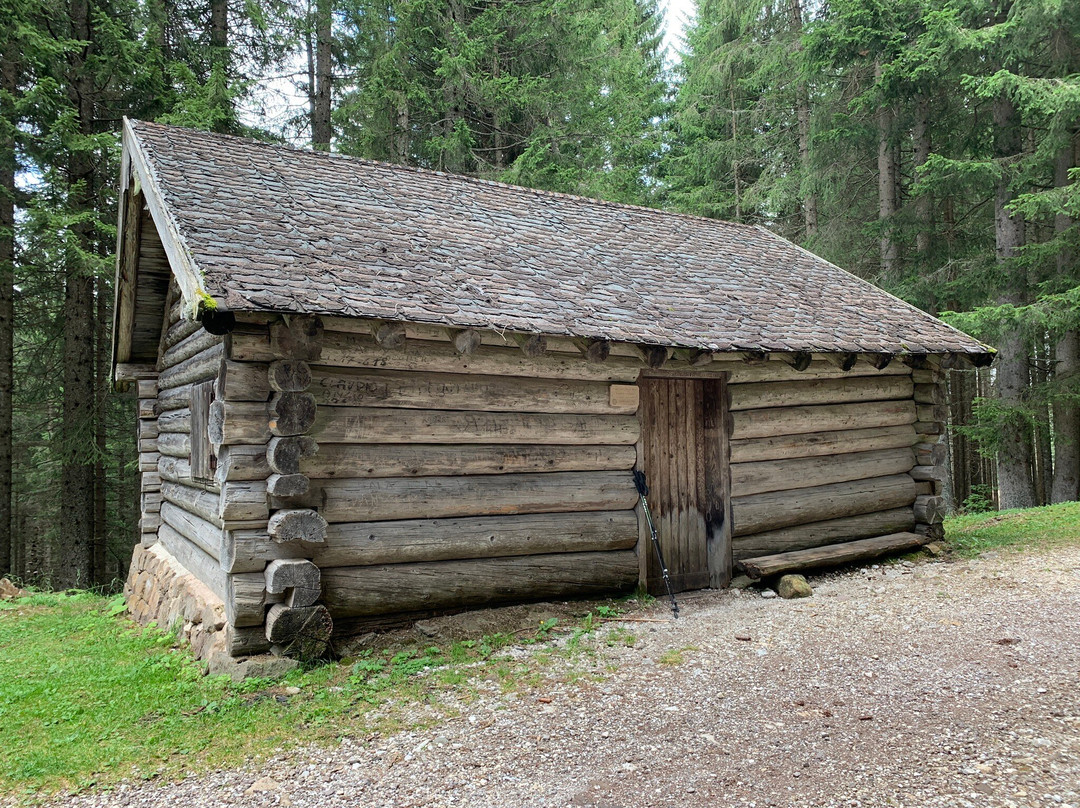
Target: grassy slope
(1051,526)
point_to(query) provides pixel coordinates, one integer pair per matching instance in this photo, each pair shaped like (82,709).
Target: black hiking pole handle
(643,491)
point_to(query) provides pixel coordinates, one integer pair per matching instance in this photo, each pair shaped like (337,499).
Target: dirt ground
(932,684)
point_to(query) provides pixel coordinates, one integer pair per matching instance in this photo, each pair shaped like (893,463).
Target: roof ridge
(468,178)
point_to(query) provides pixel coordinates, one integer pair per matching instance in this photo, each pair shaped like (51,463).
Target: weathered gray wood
(175,398)
(823,418)
(776,371)
(179,331)
(384,425)
(460,391)
(932,412)
(241,642)
(239,422)
(594,350)
(207,536)
(241,462)
(831,531)
(175,421)
(930,473)
(821,391)
(287,485)
(356,591)
(929,394)
(927,376)
(194,500)
(777,509)
(532,345)
(134,372)
(146,388)
(178,470)
(249,550)
(195,560)
(303,632)
(299,338)
(656,356)
(289,375)
(388,335)
(930,427)
(150,481)
(243,500)
(174,444)
(246,599)
(286,573)
(414,540)
(300,596)
(284,455)
(242,381)
(401,498)
(201,451)
(146,408)
(831,555)
(148,430)
(203,365)
(465,340)
(930,454)
(296,525)
(148,461)
(807,472)
(929,510)
(148,445)
(353,350)
(291,413)
(197,342)
(342,460)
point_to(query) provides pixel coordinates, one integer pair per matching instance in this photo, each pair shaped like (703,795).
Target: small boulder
(794,586)
(933,548)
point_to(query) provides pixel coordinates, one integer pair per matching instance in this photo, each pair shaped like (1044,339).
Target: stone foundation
(159,590)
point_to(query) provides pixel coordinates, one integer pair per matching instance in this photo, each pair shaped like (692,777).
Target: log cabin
(369,392)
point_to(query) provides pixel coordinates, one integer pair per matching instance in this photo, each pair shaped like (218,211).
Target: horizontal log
(148,430)
(194,344)
(932,412)
(173,444)
(299,338)
(148,445)
(776,371)
(928,473)
(246,599)
(927,376)
(287,485)
(930,454)
(195,560)
(147,407)
(205,535)
(283,454)
(435,497)
(380,425)
(824,391)
(291,413)
(357,591)
(357,351)
(289,375)
(807,472)
(134,372)
(239,422)
(242,381)
(175,398)
(150,481)
(148,461)
(777,509)
(178,470)
(930,427)
(459,391)
(339,460)
(240,462)
(242,642)
(831,555)
(282,574)
(249,550)
(146,388)
(178,331)
(203,365)
(815,444)
(414,540)
(816,534)
(302,632)
(175,421)
(930,394)
(243,501)
(823,418)
(201,503)
(296,525)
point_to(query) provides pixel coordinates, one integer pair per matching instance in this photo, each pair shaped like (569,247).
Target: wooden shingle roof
(271,228)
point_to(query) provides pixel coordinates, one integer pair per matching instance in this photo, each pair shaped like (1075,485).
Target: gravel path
(938,684)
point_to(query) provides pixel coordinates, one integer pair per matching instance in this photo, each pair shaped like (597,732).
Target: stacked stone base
(160,590)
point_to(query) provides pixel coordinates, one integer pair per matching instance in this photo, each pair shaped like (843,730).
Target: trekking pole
(643,490)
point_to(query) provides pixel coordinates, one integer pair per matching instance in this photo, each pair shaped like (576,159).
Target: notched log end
(297,524)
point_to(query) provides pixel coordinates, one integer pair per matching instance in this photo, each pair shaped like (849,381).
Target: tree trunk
(1066,487)
(101,369)
(321,129)
(401,131)
(1014,462)
(888,177)
(219,62)
(8,83)
(74,562)
(1043,455)
(802,114)
(924,203)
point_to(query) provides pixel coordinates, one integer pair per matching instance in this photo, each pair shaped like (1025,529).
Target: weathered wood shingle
(279,229)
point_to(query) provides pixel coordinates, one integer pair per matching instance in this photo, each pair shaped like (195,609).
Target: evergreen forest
(932,147)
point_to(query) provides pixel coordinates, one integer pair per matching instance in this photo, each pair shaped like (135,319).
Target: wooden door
(684,456)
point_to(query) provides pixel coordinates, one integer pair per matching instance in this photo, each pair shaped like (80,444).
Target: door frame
(716,427)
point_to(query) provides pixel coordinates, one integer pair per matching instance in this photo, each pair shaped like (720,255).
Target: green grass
(88,698)
(1032,528)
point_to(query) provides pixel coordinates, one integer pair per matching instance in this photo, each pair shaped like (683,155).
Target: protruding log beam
(927,473)
(284,454)
(932,412)
(289,376)
(532,345)
(465,340)
(594,350)
(880,361)
(299,338)
(243,501)
(217,321)
(755,357)
(287,485)
(146,388)
(800,360)
(303,632)
(830,555)
(292,413)
(241,463)
(830,531)
(174,444)
(929,394)
(296,524)
(915,361)
(844,361)
(388,334)
(930,454)
(232,422)
(287,573)
(131,372)
(929,510)
(203,365)
(696,357)
(655,356)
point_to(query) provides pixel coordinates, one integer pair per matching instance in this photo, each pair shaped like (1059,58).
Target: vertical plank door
(685,460)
